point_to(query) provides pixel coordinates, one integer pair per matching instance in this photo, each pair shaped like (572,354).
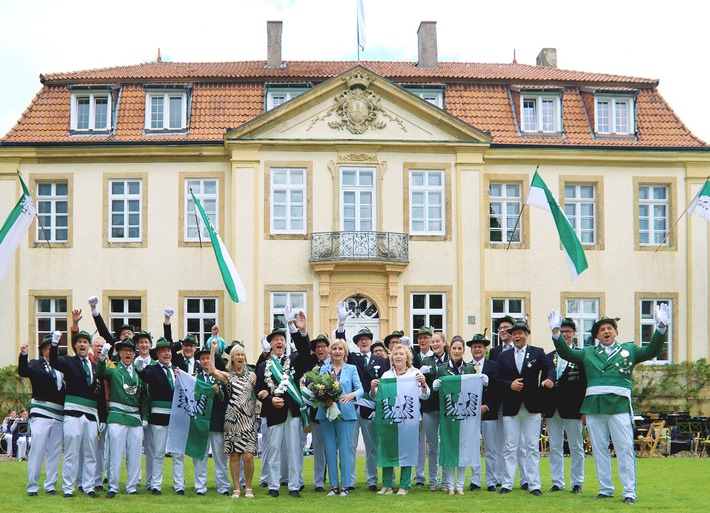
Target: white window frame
(652,235)
(126,198)
(615,124)
(648,322)
(276,96)
(297,299)
(584,312)
(575,205)
(166,95)
(539,124)
(435,96)
(506,221)
(427,312)
(210,203)
(92,96)
(428,205)
(51,219)
(205,317)
(58,319)
(359,191)
(291,189)
(502,306)
(128,314)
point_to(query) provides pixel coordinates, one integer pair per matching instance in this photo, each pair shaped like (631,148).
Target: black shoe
(264,485)
(133,493)
(525,487)
(629,500)
(68,495)
(372,488)
(503,491)
(295,493)
(99,489)
(105,480)
(418,484)
(491,488)
(225,493)
(284,483)
(602,496)
(155,491)
(301,488)
(180,492)
(577,489)
(555,488)
(536,492)
(52,492)
(498,485)
(274,493)
(473,487)
(32,494)
(92,494)
(81,490)
(319,489)
(110,495)
(201,494)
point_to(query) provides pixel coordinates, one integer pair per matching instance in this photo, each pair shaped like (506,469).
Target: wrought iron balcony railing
(380,246)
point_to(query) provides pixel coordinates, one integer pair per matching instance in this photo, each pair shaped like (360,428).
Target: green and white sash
(278,375)
(47,409)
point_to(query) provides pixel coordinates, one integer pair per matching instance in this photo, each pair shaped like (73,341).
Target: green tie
(169,372)
(87,372)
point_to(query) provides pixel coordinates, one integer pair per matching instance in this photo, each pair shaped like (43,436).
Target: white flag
(701,202)
(189,426)
(15,228)
(361,24)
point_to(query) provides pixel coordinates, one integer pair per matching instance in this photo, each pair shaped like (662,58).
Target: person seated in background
(7,431)
(21,435)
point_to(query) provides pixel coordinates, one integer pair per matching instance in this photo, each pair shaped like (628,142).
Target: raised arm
(212,369)
(98,320)
(661,315)
(565,351)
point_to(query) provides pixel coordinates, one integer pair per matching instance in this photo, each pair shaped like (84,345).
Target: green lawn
(664,484)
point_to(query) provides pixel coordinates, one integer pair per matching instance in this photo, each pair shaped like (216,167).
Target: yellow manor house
(394,186)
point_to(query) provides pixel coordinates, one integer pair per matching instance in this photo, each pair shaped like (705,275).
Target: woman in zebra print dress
(240,418)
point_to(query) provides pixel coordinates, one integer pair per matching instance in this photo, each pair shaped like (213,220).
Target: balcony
(360,246)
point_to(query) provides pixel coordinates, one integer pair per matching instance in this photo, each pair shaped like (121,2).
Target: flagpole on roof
(668,233)
(360,15)
(517,221)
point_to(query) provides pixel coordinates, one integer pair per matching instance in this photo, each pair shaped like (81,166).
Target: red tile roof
(226,95)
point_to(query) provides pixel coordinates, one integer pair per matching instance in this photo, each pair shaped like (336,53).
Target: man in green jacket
(607,402)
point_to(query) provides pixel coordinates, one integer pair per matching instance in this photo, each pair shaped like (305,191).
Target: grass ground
(664,484)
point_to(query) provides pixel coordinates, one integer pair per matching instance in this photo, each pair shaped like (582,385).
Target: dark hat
(395,333)
(142,334)
(234,343)
(505,318)
(202,351)
(320,338)
(125,327)
(365,332)
(190,339)
(425,330)
(478,338)
(274,332)
(520,325)
(566,321)
(123,344)
(77,336)
(378,344)
(605,320)
(161,342)
(47,339)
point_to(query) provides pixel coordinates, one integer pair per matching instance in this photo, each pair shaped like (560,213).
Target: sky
(652,39)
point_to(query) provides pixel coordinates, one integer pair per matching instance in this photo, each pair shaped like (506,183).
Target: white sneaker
(333,493)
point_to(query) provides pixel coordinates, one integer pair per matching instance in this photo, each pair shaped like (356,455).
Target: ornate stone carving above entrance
(357,108)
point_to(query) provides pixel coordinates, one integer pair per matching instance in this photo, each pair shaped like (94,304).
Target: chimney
(273,44)
(547,57)
(427,45)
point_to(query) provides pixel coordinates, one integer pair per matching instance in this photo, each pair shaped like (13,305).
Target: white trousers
(46,444)
(488,433)
(22,447)
(619,427)
(556,429)
(290,432)
(367,428)
(265,469)
(420,470)
(216,443)
(159,436)
(430,423)
(148,452)
(124,440)
(522,431)
(318,456)
(80,439)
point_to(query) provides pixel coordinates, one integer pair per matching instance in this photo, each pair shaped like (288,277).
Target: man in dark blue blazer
(521,374)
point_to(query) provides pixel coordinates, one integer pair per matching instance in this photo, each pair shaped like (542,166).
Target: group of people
(15,434)
(119,394)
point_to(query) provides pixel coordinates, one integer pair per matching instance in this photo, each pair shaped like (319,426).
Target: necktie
(367,359)
(320,363)
(476,367)
(438,360)
(87,371)
(169,373)
(519,355)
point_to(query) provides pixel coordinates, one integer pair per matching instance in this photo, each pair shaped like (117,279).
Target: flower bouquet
(325,390)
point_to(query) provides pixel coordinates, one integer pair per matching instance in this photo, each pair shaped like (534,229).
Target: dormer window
(166,110)
(614,115)
(279,94)
(433,95)
(540,113)
(91,111)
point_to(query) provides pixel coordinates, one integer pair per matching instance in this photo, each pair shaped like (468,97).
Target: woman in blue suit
(337,435)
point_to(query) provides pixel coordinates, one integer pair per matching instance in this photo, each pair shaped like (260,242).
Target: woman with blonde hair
(400,367)
(240,418)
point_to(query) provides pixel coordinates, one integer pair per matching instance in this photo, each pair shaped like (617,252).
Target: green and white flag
(701,202)
(232,282)
(541,197)
(460,420)
(189,428)
(397,422)
(15,228)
